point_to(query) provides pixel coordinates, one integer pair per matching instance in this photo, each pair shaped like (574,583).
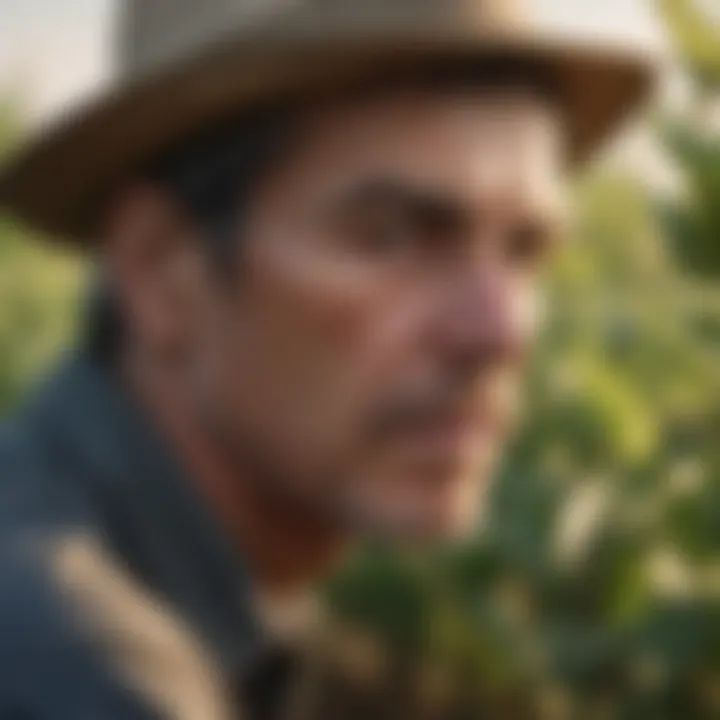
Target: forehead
(483,144)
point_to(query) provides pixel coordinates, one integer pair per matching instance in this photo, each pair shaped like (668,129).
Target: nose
(487,317)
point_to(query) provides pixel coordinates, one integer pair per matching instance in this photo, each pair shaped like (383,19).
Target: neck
(286,548)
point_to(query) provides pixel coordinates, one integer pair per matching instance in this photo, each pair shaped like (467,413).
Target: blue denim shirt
(119,598)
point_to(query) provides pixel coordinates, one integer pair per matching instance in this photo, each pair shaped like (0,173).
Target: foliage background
(593,588)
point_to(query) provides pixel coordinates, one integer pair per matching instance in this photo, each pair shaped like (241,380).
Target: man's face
(365,361)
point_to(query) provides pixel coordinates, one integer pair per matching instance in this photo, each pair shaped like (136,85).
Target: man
(320,231)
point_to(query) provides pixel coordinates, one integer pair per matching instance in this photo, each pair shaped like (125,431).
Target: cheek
(527,312)
(315,345)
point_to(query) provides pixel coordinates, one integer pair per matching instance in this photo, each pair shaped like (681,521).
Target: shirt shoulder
(80,635)
(49,668)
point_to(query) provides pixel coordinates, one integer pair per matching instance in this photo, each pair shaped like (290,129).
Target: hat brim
(56,182)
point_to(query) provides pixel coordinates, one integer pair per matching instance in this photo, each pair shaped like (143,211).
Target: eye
(391,222)
(529,244)
(391,234)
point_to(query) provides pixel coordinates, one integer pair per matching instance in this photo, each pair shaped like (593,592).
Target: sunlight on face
(369,359)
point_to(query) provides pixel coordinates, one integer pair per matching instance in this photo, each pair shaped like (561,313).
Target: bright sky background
(53,51)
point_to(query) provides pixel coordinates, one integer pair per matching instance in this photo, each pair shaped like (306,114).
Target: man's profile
(321,231)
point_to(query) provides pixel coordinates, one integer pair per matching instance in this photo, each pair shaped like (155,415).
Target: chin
(445,527)
(436,517)
(422,503)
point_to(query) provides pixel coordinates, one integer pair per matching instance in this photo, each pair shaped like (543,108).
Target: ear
(156,267)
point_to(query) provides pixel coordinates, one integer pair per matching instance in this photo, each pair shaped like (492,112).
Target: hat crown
(188,65)
(159,32)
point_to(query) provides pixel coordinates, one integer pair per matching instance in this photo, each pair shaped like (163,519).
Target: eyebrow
(435,205)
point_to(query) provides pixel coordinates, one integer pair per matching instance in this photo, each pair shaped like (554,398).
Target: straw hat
(186,64)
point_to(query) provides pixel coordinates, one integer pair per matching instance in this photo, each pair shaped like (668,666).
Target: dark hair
(212,177)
